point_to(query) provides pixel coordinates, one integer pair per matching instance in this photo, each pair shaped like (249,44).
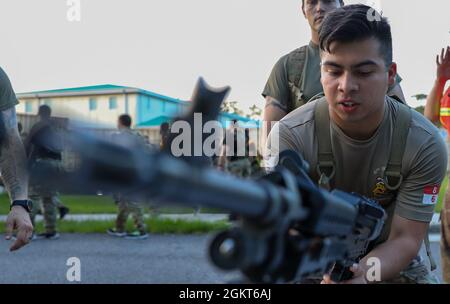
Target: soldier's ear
(392,73)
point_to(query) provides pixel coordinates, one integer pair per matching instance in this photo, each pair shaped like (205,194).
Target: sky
(165,45)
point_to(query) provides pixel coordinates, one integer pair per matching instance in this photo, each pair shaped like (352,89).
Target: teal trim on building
(82,89)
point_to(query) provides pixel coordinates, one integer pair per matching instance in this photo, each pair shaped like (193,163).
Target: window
(28,106)
(92,104)
(112,103)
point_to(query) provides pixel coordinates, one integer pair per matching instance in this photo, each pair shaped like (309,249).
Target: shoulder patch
(430,194)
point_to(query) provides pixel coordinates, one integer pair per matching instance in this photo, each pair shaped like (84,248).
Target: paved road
(159,259)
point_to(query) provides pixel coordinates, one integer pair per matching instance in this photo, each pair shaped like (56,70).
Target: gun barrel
(207,187)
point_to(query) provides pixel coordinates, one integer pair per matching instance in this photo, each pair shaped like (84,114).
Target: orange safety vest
(445,110)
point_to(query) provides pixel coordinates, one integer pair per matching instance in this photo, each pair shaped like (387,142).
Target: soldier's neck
(315,37)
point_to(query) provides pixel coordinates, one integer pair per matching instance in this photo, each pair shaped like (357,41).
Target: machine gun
(332,230)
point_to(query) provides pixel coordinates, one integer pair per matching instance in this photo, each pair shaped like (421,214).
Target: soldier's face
(355,81)
(315,10)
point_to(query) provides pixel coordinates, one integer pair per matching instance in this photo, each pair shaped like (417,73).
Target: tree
(231,107)
(420,97)
(255,112)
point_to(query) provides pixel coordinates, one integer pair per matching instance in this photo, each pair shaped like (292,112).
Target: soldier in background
(234,157)
(40,149)
(62,209)
(125,205)
(164,131)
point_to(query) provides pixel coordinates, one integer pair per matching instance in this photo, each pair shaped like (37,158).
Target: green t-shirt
(8,98)
(281,84)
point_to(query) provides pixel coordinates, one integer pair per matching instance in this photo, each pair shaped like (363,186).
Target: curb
(204,217)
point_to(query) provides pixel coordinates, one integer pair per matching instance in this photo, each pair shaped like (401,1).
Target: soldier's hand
(19,219)
(358,277)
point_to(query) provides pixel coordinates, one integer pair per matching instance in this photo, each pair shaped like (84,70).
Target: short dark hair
(44,111)
(353,23)
(125,120)
(341,1)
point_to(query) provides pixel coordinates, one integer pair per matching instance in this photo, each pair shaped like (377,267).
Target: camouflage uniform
(240,167)
(46,153)
(125,208)
(237,161)
(256,169)
(125,205)
(417,272)
(45,199)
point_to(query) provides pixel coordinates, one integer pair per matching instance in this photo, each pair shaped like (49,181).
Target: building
(99,106)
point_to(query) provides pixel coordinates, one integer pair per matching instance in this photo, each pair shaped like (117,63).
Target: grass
(154,225)
(441,195)
(98,205)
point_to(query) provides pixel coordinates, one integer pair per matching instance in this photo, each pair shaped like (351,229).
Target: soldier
(41,150)
(295,78)
(432,109)
(126,206)
(234,158)
(13,167)
(164,132)
(357,139)
(63,210)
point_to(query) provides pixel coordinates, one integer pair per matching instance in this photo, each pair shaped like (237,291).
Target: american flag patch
(430,194)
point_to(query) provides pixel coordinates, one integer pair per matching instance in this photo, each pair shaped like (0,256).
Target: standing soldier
(40,149)
(63,210)
(126,206)
(234,158)
(432,109)
(164,132)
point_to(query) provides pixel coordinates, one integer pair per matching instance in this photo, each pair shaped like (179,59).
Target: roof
(104,89)
(155,122)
